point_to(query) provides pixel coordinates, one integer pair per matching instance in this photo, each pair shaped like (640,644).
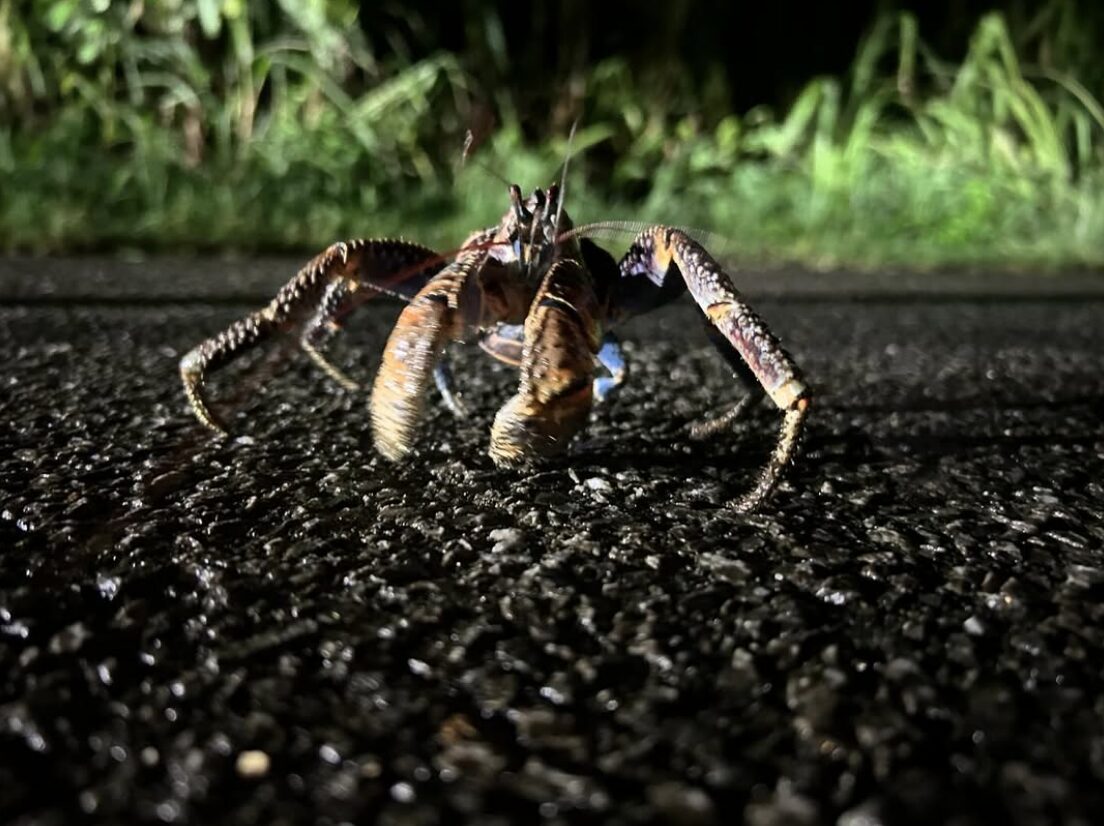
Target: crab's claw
(557,370)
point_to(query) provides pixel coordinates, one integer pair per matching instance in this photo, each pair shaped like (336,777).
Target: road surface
(284,628)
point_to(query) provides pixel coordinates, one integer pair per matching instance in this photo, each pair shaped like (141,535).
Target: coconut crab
(535,292)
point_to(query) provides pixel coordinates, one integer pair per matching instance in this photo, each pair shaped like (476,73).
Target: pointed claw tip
(747,504)
(208,420)
(702,430)
(459,409)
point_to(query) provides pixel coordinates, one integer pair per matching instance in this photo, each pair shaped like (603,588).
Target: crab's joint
(717,312)
(790,391)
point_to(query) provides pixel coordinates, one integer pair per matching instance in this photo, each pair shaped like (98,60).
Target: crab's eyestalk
(534,227)
(521,215)
(554,200)
(520,211)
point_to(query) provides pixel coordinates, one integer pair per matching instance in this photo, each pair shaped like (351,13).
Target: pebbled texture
(912,633)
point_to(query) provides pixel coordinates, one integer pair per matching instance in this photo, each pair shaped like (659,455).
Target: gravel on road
(285,628)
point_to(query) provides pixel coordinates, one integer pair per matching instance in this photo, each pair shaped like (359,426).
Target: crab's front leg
(327,288)
(651,271)
(555,392)
(442,311)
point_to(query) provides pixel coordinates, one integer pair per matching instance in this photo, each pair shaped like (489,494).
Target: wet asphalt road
(283,628)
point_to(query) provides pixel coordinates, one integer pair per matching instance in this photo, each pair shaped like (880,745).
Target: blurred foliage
(283,124)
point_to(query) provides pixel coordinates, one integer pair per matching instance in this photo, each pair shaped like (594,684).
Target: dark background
(763,52)
(850,132)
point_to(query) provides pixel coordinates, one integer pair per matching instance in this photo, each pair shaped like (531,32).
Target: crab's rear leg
(446,386)
(651,270)
(344,275)
(752,391)
(340,298)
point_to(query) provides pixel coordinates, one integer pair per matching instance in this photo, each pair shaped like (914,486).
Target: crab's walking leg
(753,391)
(651,270)
(446,386)
(442,311)
(364,266)
(555,392)
(338,299)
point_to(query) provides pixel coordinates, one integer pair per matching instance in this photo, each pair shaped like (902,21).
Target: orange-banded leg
(329,286)
(651,271)
(441,312)
(555,391)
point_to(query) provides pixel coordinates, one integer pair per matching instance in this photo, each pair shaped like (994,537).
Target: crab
(534,292)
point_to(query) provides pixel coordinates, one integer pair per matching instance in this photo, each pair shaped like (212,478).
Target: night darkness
(766,51)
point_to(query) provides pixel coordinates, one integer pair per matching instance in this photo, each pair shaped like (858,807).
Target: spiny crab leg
(338,299)
(708,428)
(646,282)
(344,275)
(752,391)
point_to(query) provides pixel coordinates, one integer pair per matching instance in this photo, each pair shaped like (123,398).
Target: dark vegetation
(867,136)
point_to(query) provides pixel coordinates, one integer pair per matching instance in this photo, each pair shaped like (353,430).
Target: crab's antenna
(604,229)
(469,143)
(538,216)
(620,229)
(563,175)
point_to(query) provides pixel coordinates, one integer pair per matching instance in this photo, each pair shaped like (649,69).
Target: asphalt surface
(284,628)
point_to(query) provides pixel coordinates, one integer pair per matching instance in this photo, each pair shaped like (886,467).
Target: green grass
(297,135)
